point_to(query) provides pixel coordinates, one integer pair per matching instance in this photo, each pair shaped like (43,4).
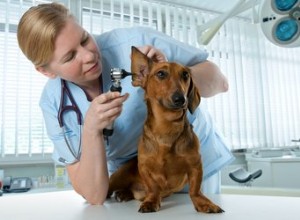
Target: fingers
(108,97)
(104,109)
(153,53)
(111,103)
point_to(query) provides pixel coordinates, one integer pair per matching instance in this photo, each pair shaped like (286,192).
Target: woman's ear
(46,72)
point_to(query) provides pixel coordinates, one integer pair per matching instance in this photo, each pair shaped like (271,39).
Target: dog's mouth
(175,104)
(177,108)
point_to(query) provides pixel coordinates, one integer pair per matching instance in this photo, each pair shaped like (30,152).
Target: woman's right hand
(103,110)
(91,170)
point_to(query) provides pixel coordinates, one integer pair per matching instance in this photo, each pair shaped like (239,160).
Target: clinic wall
(30,170)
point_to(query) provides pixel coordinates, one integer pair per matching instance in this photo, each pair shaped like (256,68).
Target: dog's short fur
(168,151)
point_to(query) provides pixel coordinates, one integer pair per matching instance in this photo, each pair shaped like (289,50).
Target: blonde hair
(38,29)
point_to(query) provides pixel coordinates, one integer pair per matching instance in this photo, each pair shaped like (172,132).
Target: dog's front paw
(123,195)
(209,208)
(149,207)
(203,204)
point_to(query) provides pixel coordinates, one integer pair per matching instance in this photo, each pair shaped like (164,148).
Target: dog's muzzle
(179,100)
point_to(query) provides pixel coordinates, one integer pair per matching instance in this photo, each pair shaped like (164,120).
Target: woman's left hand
(153,53)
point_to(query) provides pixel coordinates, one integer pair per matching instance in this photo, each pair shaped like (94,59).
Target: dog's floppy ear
(193,97)
(140,67)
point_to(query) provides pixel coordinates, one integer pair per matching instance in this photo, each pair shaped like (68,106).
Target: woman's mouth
(94,68)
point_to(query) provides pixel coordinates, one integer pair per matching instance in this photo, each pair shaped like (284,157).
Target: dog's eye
(185,75)
(161,74)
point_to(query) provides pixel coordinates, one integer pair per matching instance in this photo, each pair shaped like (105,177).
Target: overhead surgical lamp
(279,21)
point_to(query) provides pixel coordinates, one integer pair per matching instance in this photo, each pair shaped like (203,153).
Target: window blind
(22,129)
(260,109)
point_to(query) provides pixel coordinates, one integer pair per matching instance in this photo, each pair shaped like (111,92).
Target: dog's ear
(193,97)
(140,67)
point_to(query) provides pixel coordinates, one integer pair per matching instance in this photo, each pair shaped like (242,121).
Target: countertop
(69,205)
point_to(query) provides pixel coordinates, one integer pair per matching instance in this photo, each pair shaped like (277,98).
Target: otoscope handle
(109,130)
(116,75)
(114,88)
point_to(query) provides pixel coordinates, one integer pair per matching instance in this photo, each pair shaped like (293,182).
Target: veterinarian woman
(78,67)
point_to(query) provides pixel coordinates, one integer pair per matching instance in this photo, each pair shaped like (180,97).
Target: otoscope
(116,75)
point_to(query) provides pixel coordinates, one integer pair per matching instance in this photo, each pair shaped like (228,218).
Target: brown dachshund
(168,151)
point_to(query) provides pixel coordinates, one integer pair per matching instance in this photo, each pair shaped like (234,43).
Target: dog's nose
(178,99)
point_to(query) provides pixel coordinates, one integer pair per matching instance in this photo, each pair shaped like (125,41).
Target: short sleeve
(176,51)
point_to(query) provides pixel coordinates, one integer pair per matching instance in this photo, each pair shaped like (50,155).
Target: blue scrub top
(115,47)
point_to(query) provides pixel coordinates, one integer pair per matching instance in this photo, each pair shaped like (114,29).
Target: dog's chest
(168,158)
(168,164)
(170,172)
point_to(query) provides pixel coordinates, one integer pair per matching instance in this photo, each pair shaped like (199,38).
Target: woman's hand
(153,53)
(103,110)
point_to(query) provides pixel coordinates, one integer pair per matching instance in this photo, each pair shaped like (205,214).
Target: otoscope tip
(125,73)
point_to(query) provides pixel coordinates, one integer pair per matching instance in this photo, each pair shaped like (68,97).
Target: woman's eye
(161,74)
(70,57)
(85,40)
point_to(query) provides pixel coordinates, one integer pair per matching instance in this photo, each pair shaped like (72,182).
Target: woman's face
(76,56)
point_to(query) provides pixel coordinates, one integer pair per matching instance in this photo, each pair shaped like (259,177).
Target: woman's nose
(87,55)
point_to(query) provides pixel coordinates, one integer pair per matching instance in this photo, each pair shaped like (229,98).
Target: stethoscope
(116,76)
(65,92)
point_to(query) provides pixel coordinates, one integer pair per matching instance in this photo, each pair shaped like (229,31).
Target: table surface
(69,205)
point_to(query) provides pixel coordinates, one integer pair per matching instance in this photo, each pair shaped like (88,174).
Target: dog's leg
(151,203)
(200,201)
(122,180)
